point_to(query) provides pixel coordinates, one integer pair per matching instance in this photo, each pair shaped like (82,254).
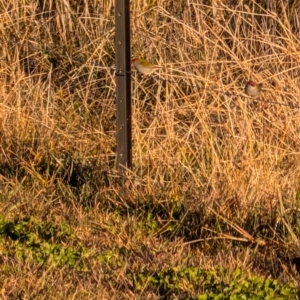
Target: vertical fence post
(123,89)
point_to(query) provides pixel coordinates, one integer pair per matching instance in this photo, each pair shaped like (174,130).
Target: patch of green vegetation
(42,242)
(213,284)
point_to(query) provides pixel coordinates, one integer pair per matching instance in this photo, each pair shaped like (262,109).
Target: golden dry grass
(215,177)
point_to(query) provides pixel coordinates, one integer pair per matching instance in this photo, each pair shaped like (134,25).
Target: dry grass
(216,175)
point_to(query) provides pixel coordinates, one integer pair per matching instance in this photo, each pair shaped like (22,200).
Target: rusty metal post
(123,92)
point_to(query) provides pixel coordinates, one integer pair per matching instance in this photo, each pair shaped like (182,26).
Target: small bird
(252,89)
(143,66)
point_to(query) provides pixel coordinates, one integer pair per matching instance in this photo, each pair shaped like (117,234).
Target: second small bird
(143,66)
(252,89)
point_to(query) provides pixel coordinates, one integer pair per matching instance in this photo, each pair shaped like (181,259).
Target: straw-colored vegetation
(211,208)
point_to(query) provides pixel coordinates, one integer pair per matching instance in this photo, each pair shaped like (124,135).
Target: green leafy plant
(214,284)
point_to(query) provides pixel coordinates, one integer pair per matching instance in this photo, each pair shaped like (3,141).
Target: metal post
(123,93)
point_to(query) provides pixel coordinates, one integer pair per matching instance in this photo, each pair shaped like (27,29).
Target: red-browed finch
(252,89)
(143,66)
